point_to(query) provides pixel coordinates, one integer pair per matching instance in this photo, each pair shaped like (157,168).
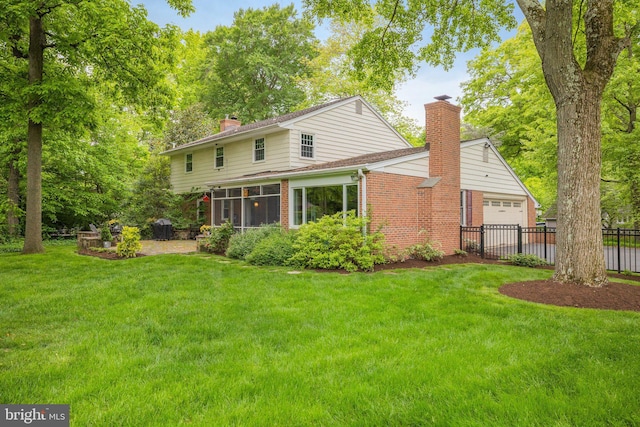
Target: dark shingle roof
(365,159)
(261,124)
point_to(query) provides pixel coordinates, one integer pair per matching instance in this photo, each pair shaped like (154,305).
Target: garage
(497,211)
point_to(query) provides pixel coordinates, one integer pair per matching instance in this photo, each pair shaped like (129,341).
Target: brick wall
(477,208)
(443,141)
(395,207)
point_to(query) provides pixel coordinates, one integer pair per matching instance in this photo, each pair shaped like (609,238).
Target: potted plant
(105,235)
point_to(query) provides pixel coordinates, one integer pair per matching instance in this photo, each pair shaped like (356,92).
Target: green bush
(130,244)
(242,244)
(105,234)
(275,249)
(337,242)
(426,251)
(218,241)
(527,260)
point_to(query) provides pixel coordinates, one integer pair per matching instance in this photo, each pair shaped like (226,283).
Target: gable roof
(282,122)
(492,147)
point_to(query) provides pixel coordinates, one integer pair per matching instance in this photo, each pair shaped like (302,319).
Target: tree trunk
(33,227)
(13,194)
(579,248)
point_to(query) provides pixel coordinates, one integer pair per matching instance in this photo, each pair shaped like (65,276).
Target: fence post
(482,241)
(619,263)
(461,248)
(545,242)
(519,239)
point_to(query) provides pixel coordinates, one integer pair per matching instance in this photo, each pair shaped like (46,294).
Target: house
(343,155)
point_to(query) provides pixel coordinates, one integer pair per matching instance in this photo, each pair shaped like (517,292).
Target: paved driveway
(629,257)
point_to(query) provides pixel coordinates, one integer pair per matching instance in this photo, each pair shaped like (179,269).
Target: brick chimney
(229,123)
(443,143)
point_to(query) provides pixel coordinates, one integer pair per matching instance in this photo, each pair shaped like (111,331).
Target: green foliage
(105,234)
(337,242)
(392,44)
(527,260)
(130,244)
(188,125)
(274,249)
(426,251)
(460,252)
(253,67)
(218,241)
(242,244)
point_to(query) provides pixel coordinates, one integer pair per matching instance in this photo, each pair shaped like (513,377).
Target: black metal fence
(621,246)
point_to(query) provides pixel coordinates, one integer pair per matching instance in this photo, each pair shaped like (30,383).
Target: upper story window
(306,146)
(258,150)
(219,157)
(188,162)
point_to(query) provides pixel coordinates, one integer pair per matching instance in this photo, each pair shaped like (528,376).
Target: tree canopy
(252,67)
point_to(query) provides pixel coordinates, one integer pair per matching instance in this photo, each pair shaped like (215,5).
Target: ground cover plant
(204,340)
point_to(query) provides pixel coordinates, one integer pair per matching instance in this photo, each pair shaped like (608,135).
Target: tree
(253,66)
(576,87)
(58,49)
(331,77)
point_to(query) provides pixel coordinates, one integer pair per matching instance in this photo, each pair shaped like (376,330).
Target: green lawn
(194,339)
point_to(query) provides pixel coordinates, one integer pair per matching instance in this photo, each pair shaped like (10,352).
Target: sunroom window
(312,203)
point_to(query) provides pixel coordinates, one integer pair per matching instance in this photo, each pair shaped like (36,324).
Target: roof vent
(442,97)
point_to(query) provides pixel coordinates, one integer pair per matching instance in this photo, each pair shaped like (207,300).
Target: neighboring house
(343,155)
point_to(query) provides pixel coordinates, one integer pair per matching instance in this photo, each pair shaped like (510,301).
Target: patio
(155,247)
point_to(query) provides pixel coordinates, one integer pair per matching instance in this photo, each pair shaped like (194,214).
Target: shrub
(130,244)
(336,241)
(275,249)
(426,251)
(471,245)
(105,234)
(242,244)
(460,252)
(527,260)
(218,241)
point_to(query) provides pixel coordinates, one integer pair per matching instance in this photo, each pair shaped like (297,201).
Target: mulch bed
(614,296)
(111,255)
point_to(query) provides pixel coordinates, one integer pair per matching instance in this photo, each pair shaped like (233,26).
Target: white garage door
(504,212)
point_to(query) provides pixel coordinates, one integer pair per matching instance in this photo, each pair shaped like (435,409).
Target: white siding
(341,133)
(418,167)
(491,176)
(238,161)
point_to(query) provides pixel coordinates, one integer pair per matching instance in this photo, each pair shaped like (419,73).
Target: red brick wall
(531,213)
(443,139)
(476,208)
(395,207)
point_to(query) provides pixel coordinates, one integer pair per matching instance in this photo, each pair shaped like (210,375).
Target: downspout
(212,209)
(363,210)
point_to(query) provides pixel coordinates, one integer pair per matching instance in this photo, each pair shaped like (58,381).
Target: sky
(428,83)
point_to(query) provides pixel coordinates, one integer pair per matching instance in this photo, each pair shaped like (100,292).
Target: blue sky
(428,83)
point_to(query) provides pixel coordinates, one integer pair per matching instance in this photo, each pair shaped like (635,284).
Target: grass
(198,340)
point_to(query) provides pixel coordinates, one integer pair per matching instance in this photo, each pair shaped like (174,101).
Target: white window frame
(463,207)
(216,157)
(256,150)
(312,146)
(188,162)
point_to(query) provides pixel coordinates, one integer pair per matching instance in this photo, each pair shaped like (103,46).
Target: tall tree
(63,46)
(253,66)
(331,77)
(576,87)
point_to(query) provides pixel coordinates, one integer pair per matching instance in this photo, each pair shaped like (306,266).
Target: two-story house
(343,155)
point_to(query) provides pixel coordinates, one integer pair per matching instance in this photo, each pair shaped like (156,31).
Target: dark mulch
(614,296)
(104,255)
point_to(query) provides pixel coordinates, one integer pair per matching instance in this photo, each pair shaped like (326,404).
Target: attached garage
(503,211)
